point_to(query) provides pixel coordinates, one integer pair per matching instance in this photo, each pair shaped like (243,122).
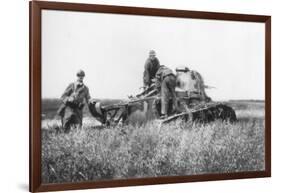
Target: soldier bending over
(166,83)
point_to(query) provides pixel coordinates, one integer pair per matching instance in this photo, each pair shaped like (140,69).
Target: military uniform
(74,98)
(166,83)
(150,68)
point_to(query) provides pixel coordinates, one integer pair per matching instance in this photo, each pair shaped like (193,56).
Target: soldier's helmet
(80,73)
(152,53)
(182,69)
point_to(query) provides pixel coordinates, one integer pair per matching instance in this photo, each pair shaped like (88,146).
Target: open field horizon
(51,105)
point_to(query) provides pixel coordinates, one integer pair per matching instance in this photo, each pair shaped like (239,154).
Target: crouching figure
(74,99)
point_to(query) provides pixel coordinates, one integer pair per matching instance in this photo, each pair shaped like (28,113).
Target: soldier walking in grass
(166,84)
(150,68)
(74,98)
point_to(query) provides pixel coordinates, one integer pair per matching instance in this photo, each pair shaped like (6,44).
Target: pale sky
(112,49)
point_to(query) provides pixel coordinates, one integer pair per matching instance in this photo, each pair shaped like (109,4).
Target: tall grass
(134,151)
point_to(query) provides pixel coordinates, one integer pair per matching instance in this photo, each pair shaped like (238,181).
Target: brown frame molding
(35,8)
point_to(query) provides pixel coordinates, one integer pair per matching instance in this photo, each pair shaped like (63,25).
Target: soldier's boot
(163,116)
(67,123)
(66,128)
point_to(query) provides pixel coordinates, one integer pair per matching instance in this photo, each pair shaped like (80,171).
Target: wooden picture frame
(35,57)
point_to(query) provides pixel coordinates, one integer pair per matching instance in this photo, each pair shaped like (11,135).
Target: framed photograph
(126,96)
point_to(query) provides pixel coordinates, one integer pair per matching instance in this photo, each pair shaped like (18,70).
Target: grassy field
(133,151)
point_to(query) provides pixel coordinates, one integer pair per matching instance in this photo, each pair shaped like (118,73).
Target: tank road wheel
(206,116)
(226,113)
(182,106)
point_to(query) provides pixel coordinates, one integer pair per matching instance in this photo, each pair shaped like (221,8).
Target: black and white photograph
(134,96)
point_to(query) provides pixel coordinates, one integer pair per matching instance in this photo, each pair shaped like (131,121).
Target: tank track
(205,113)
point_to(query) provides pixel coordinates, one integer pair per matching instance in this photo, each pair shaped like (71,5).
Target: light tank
(194,105)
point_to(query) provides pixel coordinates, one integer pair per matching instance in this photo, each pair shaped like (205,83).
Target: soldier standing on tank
(166,84)
(150,68)
(74,98)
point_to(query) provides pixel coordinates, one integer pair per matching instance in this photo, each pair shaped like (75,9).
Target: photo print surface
(127,96)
